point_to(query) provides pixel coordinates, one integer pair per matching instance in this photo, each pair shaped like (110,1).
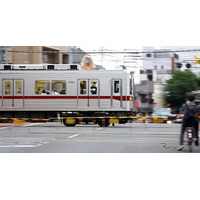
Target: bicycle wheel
(190,135)
(190,146)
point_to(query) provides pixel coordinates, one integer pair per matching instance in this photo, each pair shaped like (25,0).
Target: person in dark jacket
(187,122)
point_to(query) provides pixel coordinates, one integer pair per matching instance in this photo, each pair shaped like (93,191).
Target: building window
(87,62)
(155,67)
(144,98)
(162,67)
(150,77)
(45,58)
(148,55)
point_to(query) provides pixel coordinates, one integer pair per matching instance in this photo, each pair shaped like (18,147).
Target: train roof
(63,71)
(56,68)
(40,67)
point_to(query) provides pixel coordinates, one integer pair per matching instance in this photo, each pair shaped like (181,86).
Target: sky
(93,24)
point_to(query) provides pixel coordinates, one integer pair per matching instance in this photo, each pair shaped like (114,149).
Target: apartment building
(50,55)
(163,63)
(39,54)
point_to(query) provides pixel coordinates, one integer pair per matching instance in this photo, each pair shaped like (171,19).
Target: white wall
(159,95)
(151,62)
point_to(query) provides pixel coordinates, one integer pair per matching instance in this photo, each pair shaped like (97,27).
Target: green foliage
(181,83)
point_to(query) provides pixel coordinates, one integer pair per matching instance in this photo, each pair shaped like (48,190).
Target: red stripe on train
(124,98)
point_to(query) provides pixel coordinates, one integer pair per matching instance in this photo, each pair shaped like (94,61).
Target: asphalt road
(121,138)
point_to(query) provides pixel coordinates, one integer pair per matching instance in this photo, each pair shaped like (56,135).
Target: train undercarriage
(69,119)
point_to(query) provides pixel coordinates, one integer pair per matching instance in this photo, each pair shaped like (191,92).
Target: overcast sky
(93,24)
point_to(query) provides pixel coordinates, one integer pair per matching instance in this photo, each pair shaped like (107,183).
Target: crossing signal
(179,65)
(188,65)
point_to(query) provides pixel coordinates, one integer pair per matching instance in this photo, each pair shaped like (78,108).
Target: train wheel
(69,122)
(103,123)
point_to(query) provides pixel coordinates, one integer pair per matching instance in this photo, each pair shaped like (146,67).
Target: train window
(131,87)
(93,87)
(7,87)
(83,86)
(116,86)
(18,87)
(42,87)
(59,87)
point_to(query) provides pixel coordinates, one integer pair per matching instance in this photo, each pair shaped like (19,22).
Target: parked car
(179,118)
(162,115)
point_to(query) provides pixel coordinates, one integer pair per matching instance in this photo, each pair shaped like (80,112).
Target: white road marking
(31,124)
(153,139)
(5,127)
(73,136)
(137,132)
(13,125)
(21,146)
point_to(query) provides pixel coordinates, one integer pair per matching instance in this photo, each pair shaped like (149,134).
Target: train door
(13,96)
(116,97)
(88,93)
(93,93)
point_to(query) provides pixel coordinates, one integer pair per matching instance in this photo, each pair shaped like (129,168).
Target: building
(4,55)
(39,54)
(48,55)
(163,63)
(144,92)
(76,55)
(99,67)
(87,63)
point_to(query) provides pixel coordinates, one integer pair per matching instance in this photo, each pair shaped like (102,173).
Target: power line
(107,51)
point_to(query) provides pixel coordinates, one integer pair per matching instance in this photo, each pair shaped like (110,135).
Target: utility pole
(102,55)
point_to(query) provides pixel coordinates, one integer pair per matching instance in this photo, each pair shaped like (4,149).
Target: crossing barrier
(109,119)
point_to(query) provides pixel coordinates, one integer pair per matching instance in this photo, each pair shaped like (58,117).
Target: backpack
(190,114)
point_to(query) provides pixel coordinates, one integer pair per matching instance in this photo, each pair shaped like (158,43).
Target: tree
(181,83)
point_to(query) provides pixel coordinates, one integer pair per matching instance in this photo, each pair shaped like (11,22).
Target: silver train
(47,91)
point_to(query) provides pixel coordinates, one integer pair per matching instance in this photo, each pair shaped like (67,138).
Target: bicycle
(190,133)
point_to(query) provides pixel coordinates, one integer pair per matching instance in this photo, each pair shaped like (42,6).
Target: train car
(47,91)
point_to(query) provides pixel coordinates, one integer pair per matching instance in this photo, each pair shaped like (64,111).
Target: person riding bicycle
(189,120)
